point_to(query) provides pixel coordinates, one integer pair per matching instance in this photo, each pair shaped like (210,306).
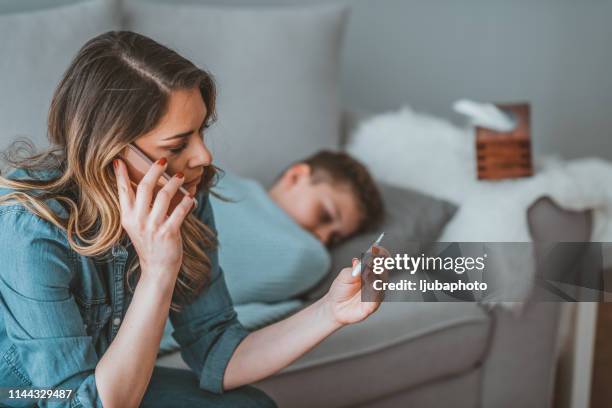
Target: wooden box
(501,155)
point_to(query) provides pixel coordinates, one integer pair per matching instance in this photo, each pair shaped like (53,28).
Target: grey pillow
(410,216)
(276,69)
(37,47)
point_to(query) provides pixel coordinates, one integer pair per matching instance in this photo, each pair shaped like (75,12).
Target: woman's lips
(192,185)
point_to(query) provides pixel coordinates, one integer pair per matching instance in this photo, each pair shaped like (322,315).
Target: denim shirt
(59,310)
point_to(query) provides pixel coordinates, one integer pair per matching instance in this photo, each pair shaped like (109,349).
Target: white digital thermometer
(357,269)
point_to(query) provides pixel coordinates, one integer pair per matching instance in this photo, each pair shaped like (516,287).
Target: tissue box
(502,155)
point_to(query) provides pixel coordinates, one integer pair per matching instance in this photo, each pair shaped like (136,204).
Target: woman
(92,267)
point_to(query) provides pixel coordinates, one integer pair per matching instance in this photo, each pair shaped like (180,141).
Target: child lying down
(273,244)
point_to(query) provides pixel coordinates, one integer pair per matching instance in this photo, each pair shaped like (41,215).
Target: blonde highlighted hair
(115,90)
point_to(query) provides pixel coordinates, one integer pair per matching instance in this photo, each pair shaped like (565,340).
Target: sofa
(437,354)
(277,70)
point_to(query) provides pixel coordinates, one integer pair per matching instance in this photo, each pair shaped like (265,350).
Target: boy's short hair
(341,168)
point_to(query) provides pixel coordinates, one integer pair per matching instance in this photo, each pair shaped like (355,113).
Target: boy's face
(329,211)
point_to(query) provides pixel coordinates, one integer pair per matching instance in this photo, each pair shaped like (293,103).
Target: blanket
(267,258)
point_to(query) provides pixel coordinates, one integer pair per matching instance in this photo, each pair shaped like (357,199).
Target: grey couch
(437,354)
(278,106)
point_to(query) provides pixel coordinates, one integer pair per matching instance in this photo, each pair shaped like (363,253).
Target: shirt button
(116,321)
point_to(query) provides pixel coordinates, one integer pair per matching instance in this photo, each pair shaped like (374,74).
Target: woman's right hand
(155,235)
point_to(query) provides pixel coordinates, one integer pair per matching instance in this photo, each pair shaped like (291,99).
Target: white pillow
(415,150)
(429,154)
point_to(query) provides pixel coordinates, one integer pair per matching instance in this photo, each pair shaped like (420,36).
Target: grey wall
(557,54)
(17,6)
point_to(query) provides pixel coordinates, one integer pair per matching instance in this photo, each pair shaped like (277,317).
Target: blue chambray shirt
(59,311)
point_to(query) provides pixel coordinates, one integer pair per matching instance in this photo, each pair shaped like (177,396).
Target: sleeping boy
(273,245)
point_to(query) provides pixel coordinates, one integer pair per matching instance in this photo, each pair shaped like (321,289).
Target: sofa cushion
(400,346)
(37,47)
(460,391)
(411,218)
(277,74)
(31,5)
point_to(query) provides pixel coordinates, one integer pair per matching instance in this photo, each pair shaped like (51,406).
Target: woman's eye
(177,149)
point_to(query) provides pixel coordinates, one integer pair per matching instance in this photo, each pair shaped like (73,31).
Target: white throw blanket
(432,155)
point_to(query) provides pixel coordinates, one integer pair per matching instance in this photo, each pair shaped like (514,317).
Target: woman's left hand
(344,299)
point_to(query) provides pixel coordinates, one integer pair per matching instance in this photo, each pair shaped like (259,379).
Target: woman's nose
(202,156)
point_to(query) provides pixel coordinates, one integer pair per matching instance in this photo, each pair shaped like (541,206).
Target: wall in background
(18,6)
(555,54)
(428,53)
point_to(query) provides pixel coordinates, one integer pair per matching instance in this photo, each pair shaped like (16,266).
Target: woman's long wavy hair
(115,90)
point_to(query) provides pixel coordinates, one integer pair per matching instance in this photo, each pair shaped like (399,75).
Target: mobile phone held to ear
(138,163)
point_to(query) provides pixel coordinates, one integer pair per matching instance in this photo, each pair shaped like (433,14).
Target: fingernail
(162,161)
(179,174)
(115,163)
(375,250)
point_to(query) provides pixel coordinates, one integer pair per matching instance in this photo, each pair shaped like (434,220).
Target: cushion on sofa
(411,217)
(31,5)
(37,47)
(277,74)
(396,348)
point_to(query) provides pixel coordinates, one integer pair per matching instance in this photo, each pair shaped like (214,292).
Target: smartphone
(138,163)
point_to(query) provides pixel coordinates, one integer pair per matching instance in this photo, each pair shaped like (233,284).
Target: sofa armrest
(519,370)
(520,367)
(549,222)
